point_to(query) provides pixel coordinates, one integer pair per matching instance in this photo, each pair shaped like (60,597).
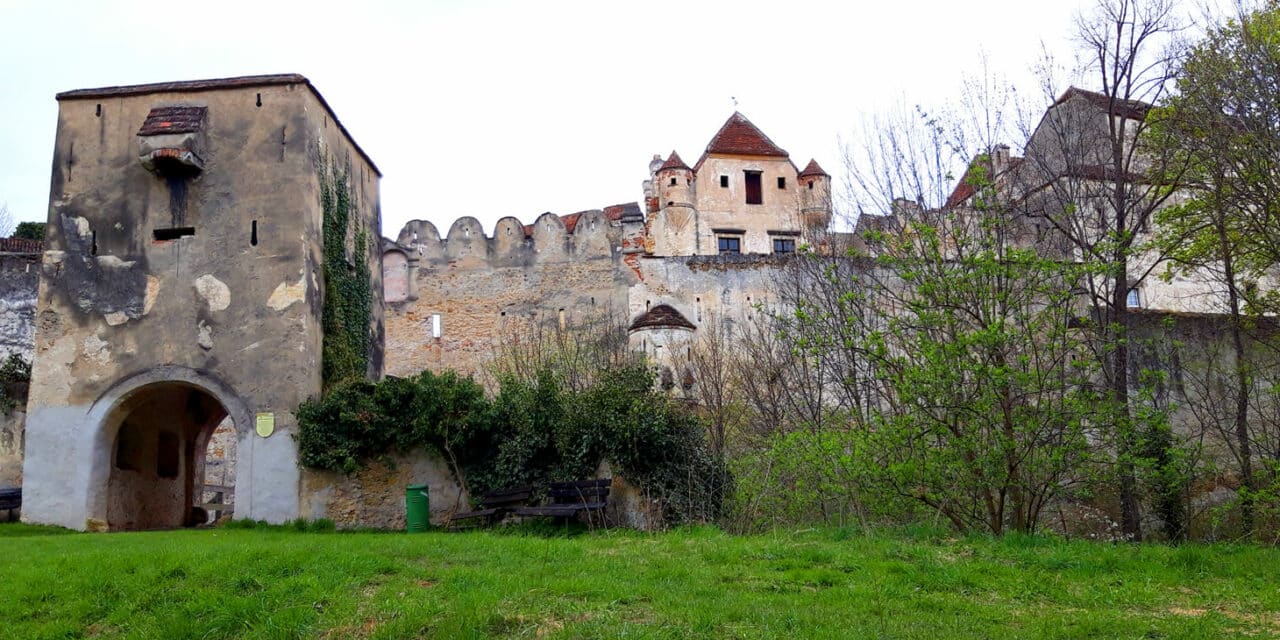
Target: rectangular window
(784,245)
(435,325)
(1134,300)
(755,195)
(724,181)
(782,182)
(729,245)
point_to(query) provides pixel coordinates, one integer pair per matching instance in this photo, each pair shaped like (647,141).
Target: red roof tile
(739,136)
(162,120)
(812,169)
(20,245)
(674,162)
(626,212)
(571,221)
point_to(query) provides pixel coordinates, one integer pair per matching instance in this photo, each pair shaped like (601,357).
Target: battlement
(585,235)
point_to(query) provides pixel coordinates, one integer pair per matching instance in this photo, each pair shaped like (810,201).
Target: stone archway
(157,458)
(153,431)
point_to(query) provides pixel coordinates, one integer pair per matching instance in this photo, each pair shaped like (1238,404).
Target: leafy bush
(535,431)
(15,373)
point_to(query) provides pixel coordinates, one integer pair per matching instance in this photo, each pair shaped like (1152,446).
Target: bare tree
(1086,175)
(7,222)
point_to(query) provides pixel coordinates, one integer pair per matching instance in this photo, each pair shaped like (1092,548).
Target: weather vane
(735,102)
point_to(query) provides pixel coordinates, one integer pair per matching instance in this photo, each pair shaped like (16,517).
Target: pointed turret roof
(674,162)
(812,169)
(739,136)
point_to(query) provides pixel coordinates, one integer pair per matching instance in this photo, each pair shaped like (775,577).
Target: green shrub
(535,431)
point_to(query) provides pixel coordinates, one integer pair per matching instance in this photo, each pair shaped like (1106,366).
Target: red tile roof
(674,162)
(626,211)
(162,120)
(738,136)
(571,221)
(20,245)
(661,317)
(812,169)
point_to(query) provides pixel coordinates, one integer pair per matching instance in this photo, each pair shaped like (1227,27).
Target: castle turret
(673,230)
(675,183)
(815,197)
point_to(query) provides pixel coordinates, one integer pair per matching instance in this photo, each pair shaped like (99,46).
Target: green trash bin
(417,508)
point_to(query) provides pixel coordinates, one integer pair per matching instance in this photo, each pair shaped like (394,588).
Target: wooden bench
(10,500)
(568,499)
(495,505)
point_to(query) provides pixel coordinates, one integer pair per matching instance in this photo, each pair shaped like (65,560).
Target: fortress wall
(488,289)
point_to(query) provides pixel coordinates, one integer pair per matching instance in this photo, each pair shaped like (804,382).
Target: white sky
(493,108)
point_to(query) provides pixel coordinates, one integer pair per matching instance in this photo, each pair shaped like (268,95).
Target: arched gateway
(153,431)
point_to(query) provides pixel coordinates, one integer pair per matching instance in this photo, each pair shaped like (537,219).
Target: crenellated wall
(557,271)
(488,288)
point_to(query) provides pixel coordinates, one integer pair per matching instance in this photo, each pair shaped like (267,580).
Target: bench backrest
(580,492)
(509,497)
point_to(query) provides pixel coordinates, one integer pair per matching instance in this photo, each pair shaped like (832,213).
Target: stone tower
(674,228)
(183,285)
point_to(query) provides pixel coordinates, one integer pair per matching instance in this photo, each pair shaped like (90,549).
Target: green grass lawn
(701,583)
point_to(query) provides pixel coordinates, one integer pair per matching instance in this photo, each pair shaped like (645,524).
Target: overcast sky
(493,108)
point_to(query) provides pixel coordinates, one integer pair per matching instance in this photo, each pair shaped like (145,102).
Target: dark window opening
(98,111)
(784,245)
(167,455)
(724,181)
(253,233)
(673,182)
(259,102)
(173,233)
(93,243)
(729,245)
(755,195)
(810,184)
(129,450)
(782,182)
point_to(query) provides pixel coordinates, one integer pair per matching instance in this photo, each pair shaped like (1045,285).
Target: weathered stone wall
(375,495)
(19,284)
(487,289)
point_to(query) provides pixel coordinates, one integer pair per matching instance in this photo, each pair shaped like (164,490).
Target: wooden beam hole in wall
(172,233)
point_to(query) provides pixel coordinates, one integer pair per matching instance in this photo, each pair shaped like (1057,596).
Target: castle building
(707,247)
